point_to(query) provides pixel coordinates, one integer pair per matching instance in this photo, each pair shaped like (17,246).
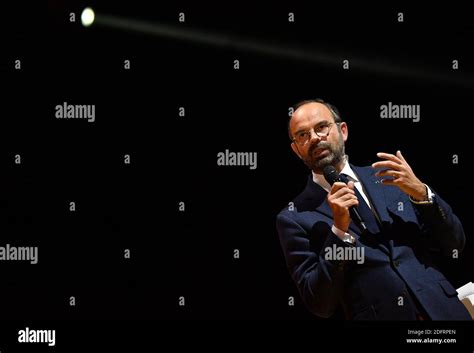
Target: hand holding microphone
(343,201)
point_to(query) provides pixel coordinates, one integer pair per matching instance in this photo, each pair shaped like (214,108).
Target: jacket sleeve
(442,225)
(319,281)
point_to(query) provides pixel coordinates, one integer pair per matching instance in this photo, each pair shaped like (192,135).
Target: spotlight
(87,17)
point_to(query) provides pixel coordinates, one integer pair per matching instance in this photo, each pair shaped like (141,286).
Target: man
(405,220)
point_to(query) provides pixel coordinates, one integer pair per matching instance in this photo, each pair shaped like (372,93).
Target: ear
(295,149)
(344,131)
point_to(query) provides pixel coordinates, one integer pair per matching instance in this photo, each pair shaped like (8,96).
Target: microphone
(331,175)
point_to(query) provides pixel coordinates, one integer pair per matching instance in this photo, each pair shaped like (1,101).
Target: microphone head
(330,174)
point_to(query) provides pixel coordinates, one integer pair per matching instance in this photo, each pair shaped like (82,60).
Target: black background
(173,159)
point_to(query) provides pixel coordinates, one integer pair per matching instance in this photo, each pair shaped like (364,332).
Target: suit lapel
(374,191)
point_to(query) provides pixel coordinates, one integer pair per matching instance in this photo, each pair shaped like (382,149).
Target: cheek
(338,139)
(333,141)
(304,153)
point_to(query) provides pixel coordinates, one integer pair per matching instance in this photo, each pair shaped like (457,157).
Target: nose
(313,135)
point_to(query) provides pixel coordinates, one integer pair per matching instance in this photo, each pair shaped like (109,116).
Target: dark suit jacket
(397,275)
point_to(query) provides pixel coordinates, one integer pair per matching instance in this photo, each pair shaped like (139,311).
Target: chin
(323,162)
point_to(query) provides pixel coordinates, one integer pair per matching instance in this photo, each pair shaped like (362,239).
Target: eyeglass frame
(330,124)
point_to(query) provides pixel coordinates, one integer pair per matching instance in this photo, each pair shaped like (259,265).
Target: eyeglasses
(323,130)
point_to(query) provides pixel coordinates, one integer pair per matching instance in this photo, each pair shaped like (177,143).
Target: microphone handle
(355,215)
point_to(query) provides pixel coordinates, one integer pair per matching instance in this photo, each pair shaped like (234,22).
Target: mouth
(318,151)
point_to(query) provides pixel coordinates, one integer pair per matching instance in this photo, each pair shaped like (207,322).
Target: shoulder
(304,205)
(294,205)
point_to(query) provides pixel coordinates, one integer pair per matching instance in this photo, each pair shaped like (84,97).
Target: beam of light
(87,17)
(330,60)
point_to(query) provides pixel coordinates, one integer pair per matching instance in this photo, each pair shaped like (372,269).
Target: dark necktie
(364,210)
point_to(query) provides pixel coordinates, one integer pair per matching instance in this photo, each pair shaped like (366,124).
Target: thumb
(350,185)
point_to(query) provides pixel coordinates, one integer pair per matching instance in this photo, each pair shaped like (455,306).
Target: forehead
(309,115)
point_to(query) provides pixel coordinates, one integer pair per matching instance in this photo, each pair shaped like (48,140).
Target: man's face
(318,152)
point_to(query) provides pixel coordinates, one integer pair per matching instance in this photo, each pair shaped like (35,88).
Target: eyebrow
(318,124)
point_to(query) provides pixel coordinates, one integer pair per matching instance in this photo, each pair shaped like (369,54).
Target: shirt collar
(321,181)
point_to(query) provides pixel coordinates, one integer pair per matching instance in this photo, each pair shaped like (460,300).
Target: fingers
(345,201)
(340,199)
(396,162)
(390,157)
(389,182)
(349,203)
(387,164)
(390,173)
(338,189)
(347,197)
(343,195)
(394,166)
(399,155)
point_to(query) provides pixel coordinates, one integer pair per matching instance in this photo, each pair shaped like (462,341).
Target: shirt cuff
(430,196)
(345,237)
